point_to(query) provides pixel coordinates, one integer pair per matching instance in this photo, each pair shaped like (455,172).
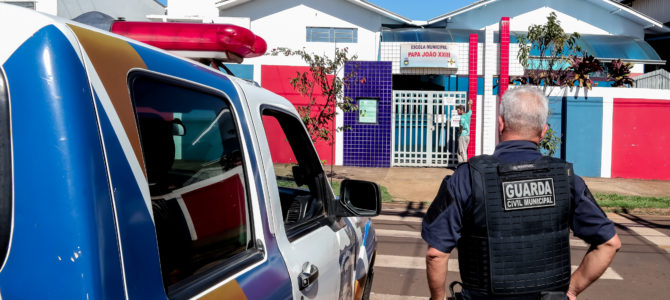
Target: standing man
(464,136)
(510,216)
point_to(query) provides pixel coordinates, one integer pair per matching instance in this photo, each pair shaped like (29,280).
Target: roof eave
(226,4)
(646,20)
(459,11)
(387,13)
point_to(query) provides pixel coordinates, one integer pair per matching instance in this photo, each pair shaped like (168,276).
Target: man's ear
(544,131)
(501,125)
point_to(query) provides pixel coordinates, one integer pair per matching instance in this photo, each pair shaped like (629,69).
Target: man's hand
(436,270)
(594,264)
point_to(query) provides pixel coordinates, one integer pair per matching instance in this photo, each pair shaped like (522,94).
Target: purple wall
(369,145)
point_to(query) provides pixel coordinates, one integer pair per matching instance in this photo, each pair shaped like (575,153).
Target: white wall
(131,10)
(391,52)
(45,6)
(283,24)
(575,16)
(192,8)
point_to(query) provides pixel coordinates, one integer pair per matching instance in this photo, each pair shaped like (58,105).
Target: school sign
(427,55)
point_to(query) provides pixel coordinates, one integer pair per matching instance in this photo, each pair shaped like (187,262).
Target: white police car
(129,172)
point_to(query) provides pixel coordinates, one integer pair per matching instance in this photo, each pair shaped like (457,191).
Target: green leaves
(321,81)
(551,142)
(619,72)
(551,48)
(582,67)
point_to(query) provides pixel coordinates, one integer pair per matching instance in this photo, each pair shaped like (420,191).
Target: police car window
(194,166)
(298,172)
(5,171)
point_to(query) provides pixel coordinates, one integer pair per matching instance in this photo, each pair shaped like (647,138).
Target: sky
(421,10)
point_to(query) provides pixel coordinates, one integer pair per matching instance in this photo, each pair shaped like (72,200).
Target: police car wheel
(368,284)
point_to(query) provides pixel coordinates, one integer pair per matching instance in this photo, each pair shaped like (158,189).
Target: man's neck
(515,137)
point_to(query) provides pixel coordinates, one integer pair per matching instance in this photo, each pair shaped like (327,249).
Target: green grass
(386,197)
(631,202)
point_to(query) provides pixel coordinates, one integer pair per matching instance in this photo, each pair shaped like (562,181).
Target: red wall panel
(278,80)
(472,92)
(641,139)
(504,55)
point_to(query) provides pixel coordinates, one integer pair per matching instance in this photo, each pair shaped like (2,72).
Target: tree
(552,47)
(321,80)
(581,69)
(550,66)
(619,73)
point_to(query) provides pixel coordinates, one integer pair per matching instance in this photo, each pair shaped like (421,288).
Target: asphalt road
(641,270)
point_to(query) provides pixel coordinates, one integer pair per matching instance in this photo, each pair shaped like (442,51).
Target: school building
(410,75)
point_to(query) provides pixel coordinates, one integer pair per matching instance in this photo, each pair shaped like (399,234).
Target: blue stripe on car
(64,233)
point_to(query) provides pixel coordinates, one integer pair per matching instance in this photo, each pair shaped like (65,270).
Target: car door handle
(308,276)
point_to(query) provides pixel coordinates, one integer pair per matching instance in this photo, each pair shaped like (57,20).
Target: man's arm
(436,270)
(594,264)
(469,105)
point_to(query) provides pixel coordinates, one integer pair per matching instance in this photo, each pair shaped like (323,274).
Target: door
(306,234)
(208,233)
(425,128)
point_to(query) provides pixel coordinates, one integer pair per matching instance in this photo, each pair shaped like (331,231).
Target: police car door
(297,184)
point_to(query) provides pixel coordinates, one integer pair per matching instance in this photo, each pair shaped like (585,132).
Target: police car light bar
(216,41)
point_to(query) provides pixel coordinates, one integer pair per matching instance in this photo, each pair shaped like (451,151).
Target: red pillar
(472,92)
(504,55)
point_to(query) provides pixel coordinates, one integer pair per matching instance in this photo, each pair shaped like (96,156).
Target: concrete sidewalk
(421,184)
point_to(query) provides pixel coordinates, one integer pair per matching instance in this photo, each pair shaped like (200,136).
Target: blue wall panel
(579,122)
(453,83)
(242,71)
(369,145)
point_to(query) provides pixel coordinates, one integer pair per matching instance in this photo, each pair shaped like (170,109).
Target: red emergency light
(194,39)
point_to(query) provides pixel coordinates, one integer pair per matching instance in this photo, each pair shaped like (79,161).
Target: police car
(130,172)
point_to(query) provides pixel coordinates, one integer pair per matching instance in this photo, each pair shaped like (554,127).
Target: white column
(608,123)
(339,135)
(490,103)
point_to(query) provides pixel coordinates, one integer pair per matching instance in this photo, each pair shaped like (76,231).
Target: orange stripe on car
(112,59)
(229,291)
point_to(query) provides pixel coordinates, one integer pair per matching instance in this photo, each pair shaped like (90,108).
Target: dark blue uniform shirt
(442,224)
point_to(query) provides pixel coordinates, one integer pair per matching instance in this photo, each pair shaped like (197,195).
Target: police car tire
(368,284)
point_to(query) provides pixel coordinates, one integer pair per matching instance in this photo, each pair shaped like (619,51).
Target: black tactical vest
(516,240)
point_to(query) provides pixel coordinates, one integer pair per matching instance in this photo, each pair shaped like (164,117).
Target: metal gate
(425,127)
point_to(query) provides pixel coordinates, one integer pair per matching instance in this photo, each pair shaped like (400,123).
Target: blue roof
(441,35)
(609,47)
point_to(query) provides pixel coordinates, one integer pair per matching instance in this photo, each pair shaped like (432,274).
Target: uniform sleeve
(441,227)
(589,222)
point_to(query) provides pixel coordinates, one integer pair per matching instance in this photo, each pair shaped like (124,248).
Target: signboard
(427,55)
(525,194)
(455,119)
(367,110)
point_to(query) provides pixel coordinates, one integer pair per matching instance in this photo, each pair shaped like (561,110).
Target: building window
(332,35)
(196,174)
(26,4)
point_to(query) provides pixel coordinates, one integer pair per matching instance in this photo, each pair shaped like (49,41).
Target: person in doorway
(510,216)
(464,136)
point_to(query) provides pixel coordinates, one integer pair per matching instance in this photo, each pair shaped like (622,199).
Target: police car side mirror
(360,198)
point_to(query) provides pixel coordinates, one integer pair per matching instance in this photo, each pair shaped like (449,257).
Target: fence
(659,79)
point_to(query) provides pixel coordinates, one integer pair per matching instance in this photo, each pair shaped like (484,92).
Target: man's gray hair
(524,109)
